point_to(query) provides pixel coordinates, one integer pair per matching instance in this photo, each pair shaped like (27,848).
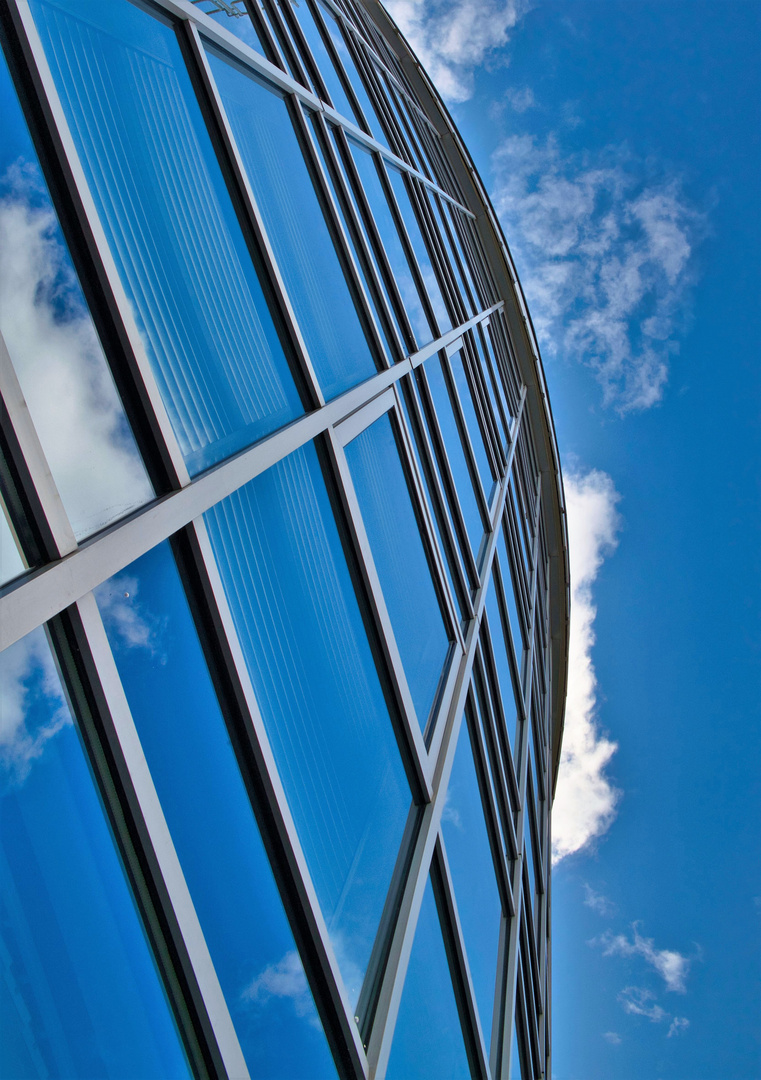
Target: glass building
(284,605)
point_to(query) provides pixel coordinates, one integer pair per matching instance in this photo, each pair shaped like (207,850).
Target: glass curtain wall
(276,753)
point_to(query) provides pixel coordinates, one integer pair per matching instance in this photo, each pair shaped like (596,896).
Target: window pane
(350,68)
(52,343)
(428,1041)
(170,223)
(502,664)
(80,996)
(232,15)
(11,562)
(209,815)
(474,429)
(421,252)
(516,1072)
(510,597)
(400,560)
(455,452)
(298,620)
(322,59)
(389,236)
(470,861)
(297,230)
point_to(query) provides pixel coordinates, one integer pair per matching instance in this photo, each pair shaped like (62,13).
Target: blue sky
(621,145)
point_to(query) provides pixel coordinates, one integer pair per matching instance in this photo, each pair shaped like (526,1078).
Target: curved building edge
(527,352)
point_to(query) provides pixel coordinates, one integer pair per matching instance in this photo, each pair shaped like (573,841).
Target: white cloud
(640,1002)
(452,37)
(672,966)
(127,618)
(585,803)
(60,364)
(520,100)
(605,257)
(597,902)
(32,705)
(678,1025)
(612,1037)
(283,979)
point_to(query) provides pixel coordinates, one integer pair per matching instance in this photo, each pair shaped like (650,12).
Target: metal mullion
(389,280)
(357,235)
(484,417)
(109,305)
(332,52)
(501,356)
(265,33)
(145,842)
(454,945)
(269,801)
(438,254)
(499,1017)
(307,381)
(44,527)
(530,992)
(291,44)
(512,976)
(27,602)
(493,376)
(492,815)
(447,227)
(410,731)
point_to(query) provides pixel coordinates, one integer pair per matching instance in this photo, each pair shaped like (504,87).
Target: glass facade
(283,563)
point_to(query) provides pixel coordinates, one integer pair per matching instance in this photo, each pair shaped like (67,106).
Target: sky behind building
(620,144)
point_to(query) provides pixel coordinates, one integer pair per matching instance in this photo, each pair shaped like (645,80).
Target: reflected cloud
(284,979)
(128,619)
(33,708)
(60,363)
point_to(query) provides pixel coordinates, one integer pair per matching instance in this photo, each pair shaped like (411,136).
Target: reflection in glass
(80,995)
(428,1043)
(209,815)
(400,559)
(421,252)
(502,412)
(232,15)
(508,580)
(462,274)
(293,604)
(392,245)
(455,453)
(52,343)
(170,224)
(11,562)
(349,66)
(470,860)
(323,60)
(297,230)
(474,428)
(502,664)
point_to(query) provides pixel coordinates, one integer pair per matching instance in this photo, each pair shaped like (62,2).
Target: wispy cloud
(671,965)
(638,1001)
(612,1037)
(60,363)
(32,705)
(127,618)
(678,1025)
(520,99)
(597,902)
(605,257)
(284,979)
(452,37)
(585,803)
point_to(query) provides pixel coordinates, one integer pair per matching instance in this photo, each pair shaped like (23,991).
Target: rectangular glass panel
(384,222)
(509,591)
(357,85)
(464,288)
(470,861)
(412,226)
(458,462)
(323,60)
(297,229)
(232,15)
(170,224)
(80,995)
(401,561)
(56,354)
(502,664)
(428,1043)
(293,603)
(470,416)
(207,809)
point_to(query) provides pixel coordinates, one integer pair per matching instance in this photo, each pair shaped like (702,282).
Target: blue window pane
(52,343)
(292,600)
(421,252)
(474,429)
(428,1042)
(297,230)
(508,582)
(347,60)
(464,287)
(478,714)
(502,664)
(390,356)
(530,864)
(455,453)
(80,995)
(516,1071)
(323,60)
(170,224)
(232,15)
(502,412)
(470,861)
(400,559)
(389,236)
(209,815)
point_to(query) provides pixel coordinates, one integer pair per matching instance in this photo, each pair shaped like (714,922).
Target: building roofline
(529,359)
